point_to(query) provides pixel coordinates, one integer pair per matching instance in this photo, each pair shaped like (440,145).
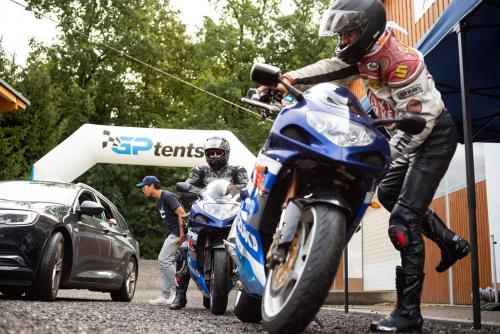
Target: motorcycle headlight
(221,211)
(340,131)
(17,217)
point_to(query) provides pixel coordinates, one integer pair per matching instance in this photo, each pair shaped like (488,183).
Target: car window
(121,221)
(108,214)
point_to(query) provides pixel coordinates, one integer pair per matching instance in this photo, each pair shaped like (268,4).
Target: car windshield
(49,192)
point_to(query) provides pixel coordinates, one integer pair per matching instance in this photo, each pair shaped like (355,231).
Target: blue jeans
(167,266)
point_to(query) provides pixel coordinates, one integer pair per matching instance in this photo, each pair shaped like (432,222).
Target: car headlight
(221,211)
(340,131)
(17,217)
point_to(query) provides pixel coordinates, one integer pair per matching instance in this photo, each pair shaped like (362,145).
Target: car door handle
(105,231)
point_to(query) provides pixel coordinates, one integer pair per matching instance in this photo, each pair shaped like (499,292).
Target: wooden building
(11,99)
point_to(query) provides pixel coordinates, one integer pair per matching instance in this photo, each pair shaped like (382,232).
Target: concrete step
(361,298)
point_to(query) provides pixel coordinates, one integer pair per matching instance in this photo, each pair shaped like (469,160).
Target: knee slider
(404,225)
(398,233)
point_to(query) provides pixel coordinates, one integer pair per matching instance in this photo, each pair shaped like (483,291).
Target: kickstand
(319,322)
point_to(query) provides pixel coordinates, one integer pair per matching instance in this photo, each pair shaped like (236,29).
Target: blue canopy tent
(462,52)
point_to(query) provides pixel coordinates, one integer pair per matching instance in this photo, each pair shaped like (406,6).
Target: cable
(137,60)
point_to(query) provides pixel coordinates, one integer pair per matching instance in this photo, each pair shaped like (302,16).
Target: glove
(256,94)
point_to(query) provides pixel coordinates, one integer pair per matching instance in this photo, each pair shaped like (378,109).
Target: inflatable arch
(92,144)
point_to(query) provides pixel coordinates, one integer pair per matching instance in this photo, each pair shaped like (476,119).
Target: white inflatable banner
(92,144)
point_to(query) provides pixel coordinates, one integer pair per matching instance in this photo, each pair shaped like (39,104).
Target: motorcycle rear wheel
(296,289)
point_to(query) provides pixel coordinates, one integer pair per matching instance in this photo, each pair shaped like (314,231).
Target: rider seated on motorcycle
(217,155)
(397,81)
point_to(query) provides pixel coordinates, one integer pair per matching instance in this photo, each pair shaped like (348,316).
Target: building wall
(458,222)
(492,166)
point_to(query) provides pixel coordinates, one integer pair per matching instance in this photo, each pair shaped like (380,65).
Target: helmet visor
(335,21)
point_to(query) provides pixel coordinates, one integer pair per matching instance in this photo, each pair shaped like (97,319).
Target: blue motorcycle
(210,220)
(313,180)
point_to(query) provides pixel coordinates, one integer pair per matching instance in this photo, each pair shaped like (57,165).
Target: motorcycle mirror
(411,123)
(183,186)
(265,74)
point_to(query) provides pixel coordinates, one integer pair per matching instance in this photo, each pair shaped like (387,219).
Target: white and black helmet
(218,145)
(366,16)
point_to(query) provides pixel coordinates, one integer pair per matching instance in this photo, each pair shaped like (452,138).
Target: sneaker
(171,299)
(160,301)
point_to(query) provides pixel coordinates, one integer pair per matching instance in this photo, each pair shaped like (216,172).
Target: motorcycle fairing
(195,271)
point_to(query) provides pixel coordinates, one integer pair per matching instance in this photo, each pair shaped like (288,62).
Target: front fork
(287,226)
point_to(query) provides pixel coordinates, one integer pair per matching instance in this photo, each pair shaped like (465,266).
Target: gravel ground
(77,311)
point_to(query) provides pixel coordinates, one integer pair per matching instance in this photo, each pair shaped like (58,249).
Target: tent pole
(346,279)
(469,163)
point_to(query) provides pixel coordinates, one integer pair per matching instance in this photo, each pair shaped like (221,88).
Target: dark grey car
(62,235)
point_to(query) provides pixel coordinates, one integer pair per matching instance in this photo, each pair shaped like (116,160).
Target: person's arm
(196,177)
(415,93)
(240,177)
(180,214)
(319,72)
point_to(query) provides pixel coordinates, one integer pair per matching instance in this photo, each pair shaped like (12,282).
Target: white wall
(492,164)
(355,256)
(380,258)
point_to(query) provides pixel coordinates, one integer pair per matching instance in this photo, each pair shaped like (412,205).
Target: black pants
(408,187)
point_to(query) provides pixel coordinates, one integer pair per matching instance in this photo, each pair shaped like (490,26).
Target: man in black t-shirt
(171,211)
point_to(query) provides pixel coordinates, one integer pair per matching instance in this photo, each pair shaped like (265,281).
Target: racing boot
(180,300)
(406,317)
(452,247)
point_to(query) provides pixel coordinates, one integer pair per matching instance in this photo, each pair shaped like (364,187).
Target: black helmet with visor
(217,152)
(367,17)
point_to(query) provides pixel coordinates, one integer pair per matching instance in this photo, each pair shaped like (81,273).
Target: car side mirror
(411,123)
(91,208)
(265,74)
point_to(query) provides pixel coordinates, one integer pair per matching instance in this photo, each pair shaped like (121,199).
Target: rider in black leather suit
(217,151)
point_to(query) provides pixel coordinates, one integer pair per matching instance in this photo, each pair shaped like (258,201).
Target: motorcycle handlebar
(259,104)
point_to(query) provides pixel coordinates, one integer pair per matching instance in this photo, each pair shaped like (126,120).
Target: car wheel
(126,292)
(12,291)
(50,271)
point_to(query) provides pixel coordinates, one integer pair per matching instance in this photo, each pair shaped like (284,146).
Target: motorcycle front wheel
(219,282)
(296,289)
